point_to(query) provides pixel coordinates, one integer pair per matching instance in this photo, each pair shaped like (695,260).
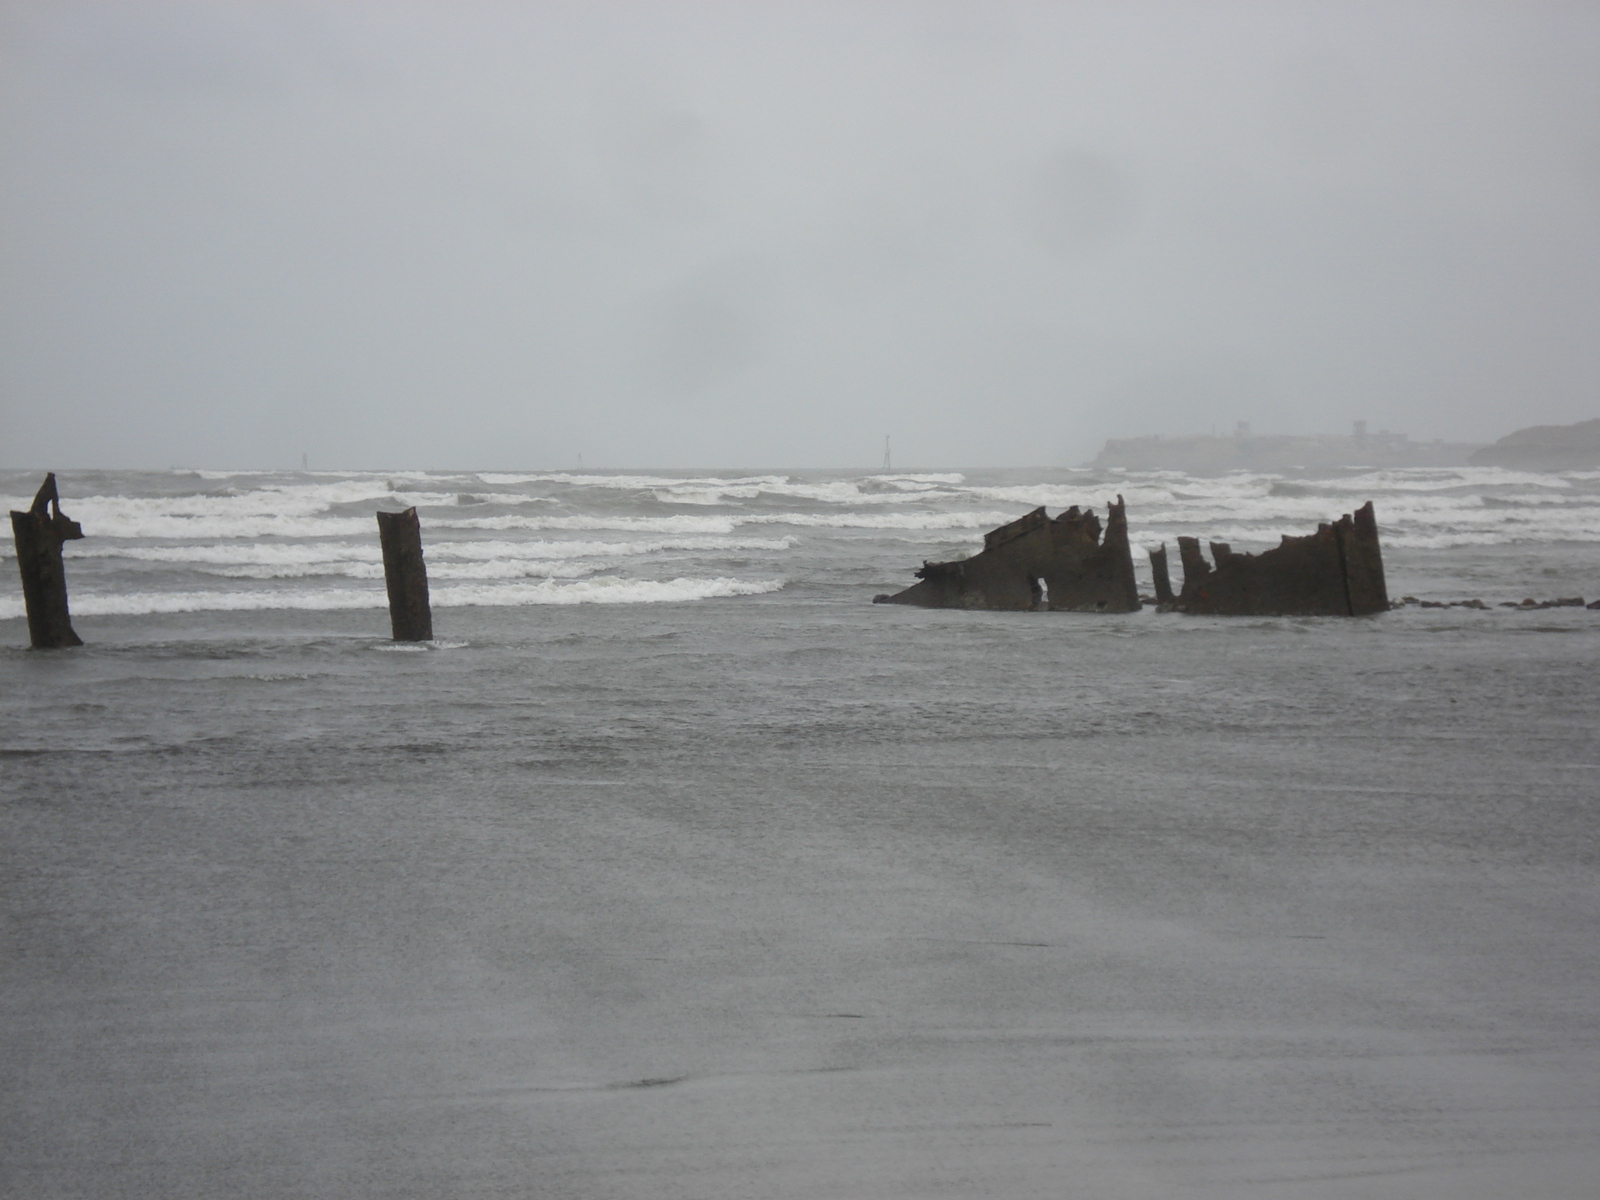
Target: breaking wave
(924,520)
(241,540)
(290,554)
(1417,506)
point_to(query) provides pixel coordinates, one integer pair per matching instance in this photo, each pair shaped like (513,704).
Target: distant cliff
(1545,448)
(1210,454)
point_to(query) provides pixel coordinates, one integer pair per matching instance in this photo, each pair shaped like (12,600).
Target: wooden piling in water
(1158,572)
(406,576)
(39,533)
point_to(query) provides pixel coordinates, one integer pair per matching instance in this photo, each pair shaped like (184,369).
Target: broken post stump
(406,576)
(39,533)
(1037,563)
(1163,581)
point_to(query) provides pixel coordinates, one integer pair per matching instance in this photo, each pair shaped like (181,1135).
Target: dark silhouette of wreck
(1060,565)
(1064,565)
(1335,572)
(39,533)
(405,575)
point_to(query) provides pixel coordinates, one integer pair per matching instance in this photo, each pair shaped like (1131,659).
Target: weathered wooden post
(406,576)
(1163,581)
(39,533)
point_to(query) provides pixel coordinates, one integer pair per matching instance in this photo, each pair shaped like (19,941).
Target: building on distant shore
(1208,454)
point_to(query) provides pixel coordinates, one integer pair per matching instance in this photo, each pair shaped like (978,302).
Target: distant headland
(1208,454)
(1545,448)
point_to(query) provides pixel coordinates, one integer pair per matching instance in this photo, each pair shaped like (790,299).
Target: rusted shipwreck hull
(1335,572)
(1060,565)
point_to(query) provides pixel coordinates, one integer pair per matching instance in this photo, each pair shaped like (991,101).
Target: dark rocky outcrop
(406,576)
(1531,603)
(1545,448)
(39,533)
(1335,572)
(1060,565)
(1413,602)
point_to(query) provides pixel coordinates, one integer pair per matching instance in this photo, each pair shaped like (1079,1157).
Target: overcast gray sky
(769,233)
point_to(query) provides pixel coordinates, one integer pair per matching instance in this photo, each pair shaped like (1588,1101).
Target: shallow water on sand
(783,894)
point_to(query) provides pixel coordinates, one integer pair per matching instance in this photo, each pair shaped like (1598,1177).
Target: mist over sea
(675,868)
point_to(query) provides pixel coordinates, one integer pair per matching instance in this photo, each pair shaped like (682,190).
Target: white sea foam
(708,491)
(609,590)
(1460,538)
(659,525)
(881,520)
(723,490)
(896,480)
(474,499)
(241,552)
(1494,530)
(1051,495)
(845,494)
(214,515)
(167,526)
(298,554)
(607,549)
(1475,518)
(636,483)
(501,569)
(1440,478)
(420,647)
(289,510)
(171,527)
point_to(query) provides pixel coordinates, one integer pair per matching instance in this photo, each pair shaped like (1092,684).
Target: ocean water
(207,542)
(676,868)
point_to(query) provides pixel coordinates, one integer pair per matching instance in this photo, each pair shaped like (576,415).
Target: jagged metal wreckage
(1335,572)
(1060,565)
(1065,565)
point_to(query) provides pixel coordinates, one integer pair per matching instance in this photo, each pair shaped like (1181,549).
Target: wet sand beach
(766,897)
